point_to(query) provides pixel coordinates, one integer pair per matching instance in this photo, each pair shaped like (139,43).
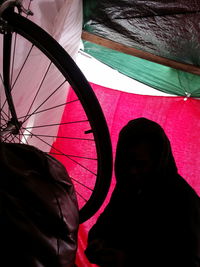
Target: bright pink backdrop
(180,120)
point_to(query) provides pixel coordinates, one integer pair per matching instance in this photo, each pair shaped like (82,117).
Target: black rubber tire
(60,58)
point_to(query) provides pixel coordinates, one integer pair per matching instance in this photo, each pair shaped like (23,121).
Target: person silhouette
(153,217)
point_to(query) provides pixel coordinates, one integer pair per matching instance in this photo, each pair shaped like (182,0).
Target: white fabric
(101,74)
(63,20)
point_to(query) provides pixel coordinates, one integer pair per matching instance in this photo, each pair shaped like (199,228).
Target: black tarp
(169,29)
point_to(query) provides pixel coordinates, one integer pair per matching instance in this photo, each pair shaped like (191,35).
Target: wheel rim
(77,138)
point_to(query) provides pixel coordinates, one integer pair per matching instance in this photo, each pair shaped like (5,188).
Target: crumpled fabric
(38,209)
(165,28)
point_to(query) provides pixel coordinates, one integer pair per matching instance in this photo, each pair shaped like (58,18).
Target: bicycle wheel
(80,137)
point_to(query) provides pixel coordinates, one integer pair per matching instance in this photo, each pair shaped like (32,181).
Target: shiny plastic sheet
(165,28)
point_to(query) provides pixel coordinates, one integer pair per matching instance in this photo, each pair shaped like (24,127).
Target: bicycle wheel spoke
(18,75)
(73,156)
(48,109)
(3,126)
(16,138)
(22,67)
(4,119)
(83,185)
(24,137)
(13,137)
(28,116)
(36,136)
(13,58)
(55,124)
(29,6)
(38,90)
(62,137)
(2,115)
(7,136)
(81,195)
(1,79)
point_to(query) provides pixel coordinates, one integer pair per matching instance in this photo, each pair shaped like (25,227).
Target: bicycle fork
(13,124)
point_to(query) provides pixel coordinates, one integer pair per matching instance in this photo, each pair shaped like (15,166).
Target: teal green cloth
(88,8)
(157,76)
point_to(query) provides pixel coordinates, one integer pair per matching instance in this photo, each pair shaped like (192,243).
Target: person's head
(143,151)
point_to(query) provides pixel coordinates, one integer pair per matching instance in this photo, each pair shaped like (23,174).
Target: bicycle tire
(66,65)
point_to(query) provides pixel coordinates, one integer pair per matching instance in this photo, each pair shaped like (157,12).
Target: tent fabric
(62,20)
(178,116)
(180,120)
(157,76)
(112,78)
(166,28)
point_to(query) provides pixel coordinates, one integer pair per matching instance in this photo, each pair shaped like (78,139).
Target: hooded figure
(153,217)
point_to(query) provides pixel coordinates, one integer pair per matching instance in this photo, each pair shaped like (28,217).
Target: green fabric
(88,7)
(157,76)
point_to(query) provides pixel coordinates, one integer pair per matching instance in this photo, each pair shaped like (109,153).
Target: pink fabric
(180,120)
